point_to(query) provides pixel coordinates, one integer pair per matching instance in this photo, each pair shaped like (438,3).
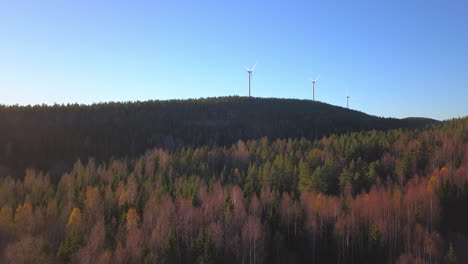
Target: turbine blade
(316,79)
(254,66)
(247,69)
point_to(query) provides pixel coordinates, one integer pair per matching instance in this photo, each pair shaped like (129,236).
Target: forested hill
(50,137)
(397,196)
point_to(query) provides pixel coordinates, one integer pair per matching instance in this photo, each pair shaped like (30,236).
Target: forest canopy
(395,196)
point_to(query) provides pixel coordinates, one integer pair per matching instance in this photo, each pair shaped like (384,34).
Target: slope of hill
(48,137)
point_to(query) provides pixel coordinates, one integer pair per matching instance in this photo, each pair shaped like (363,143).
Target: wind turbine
(313,86)
(347,101)
(250,74)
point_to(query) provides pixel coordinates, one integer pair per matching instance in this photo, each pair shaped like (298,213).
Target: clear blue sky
(394,58)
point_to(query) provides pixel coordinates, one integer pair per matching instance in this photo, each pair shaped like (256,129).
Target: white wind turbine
(250,75)
(313,86)
(348,97)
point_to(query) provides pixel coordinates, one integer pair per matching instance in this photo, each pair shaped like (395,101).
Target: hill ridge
(47,137)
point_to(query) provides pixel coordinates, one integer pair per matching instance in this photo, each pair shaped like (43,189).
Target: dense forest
(51,138)
(222,193)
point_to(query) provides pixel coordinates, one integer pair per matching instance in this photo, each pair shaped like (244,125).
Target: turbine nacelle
(314,80)
(251,69)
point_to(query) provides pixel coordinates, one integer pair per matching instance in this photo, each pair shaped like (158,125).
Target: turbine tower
(347,101)
(250,75)
(313,86)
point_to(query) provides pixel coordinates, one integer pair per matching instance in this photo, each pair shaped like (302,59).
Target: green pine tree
(451,257)
(305,180)
(203,250)
(73,241)
(170,250)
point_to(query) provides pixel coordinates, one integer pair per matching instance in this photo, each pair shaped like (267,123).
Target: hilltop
(51,137)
